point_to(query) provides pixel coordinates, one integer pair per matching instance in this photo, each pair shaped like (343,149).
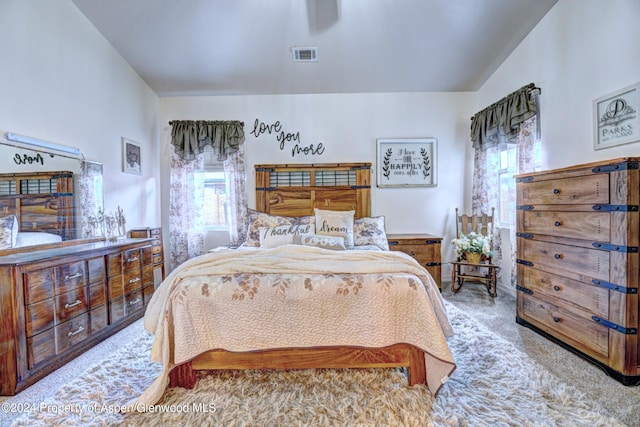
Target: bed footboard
(398,355)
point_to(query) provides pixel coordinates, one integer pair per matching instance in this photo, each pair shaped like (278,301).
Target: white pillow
(370,231)
(271,237)
(335,223)
(334,243)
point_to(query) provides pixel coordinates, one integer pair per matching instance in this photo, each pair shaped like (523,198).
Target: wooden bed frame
(41,201)
(295,190)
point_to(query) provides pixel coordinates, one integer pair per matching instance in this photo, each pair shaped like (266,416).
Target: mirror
(56,198)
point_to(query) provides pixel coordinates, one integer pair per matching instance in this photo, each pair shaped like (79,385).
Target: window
(507,191)
(216,198)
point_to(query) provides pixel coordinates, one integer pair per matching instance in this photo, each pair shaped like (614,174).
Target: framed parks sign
(406,162)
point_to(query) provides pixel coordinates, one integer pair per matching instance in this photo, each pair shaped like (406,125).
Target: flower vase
(473,258)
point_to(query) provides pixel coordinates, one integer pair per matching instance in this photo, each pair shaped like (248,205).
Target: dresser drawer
(155,232)
(96,270)
(571,293)
(125,306)
(587,336)
(39,317)
(38,285)
(578,190)
(147,293)
(132,281)
(71,304)
(572,261)
(70,276)
(576,225)
(131,260)
(72,332)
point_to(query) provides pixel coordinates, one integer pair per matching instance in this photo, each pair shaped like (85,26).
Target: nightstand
(425,248)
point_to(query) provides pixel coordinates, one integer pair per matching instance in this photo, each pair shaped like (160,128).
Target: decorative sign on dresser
(57,303)
(577,261)
(425,248)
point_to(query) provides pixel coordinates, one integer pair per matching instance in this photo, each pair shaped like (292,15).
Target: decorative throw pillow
(335,243)
(260,219)
(270,237)
(370,231)
(8,232)
(335,223)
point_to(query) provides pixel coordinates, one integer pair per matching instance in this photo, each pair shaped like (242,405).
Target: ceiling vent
(304,54)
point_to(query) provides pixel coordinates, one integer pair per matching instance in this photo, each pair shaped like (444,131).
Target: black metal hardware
(556,319)
(556,191)
(357,187)
(524,262)
(614,287)
(557,223)
(525,290)
(525,235)
(525,207)
(265,188)
(393,242)
(556,288)
(557,256)
(611,325)
(615,248)
(432,264)
(615,208)
(616,167)
(265,170)
(524,179)
(431,242)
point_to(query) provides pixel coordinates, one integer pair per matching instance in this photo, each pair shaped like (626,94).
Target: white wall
(61,81)
(581,50)
(348,125)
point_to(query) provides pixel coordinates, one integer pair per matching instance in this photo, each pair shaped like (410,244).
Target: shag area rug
(494,385)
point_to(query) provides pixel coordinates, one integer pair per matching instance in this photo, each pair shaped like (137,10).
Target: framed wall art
(407,162)
(615,118)
(131,157)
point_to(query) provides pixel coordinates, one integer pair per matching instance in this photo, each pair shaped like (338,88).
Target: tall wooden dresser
(577,261)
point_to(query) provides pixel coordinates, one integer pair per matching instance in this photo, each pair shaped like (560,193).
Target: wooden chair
(484,272)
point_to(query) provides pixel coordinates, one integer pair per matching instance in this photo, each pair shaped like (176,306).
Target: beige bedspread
(296,296)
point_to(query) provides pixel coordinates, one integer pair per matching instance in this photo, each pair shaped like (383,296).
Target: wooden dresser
(154,256)
(425,248)
(577,261)
(57,303)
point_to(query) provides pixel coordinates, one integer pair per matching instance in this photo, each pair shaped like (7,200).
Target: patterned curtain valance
(190,137)
(500,122)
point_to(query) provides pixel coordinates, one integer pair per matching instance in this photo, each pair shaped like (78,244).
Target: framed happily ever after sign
(406,162)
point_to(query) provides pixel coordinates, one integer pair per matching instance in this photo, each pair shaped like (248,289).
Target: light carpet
(494,385)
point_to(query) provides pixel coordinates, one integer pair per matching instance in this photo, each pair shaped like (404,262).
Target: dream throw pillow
(335,223)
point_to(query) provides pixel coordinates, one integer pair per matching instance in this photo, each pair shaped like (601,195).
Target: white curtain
(236,177)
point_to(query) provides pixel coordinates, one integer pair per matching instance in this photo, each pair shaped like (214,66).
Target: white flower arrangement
(473,243)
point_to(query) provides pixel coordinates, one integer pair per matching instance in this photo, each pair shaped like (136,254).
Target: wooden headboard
(295,190)
(41,201)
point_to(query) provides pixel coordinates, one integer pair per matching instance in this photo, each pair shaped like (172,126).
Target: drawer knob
(556,319)
(412,253)
(557,256)
(135,301)
(556,191)
(556,288)
(557,223)
(78,302)
(135,258)
(134,280)
(72,276)
(77,331)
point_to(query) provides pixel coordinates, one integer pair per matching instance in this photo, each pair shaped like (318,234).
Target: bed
(36,208)
(301,299)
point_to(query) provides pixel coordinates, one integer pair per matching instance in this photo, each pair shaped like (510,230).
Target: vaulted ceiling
(229,47)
